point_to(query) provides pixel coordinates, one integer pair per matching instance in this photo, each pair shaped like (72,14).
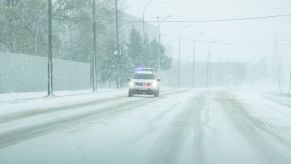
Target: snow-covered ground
(27,96)
(182,126)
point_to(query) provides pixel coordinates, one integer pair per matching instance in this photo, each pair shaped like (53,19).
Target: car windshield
(143,76)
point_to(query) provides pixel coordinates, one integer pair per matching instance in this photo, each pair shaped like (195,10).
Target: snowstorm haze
(230,43)
(250,41)
(145,81)
(246,40)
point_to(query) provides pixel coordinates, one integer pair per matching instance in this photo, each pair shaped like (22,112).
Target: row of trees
(137,51)
(24,30)
(23,26)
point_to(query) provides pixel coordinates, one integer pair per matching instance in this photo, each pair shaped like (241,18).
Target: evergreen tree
(143,52)
(135,47)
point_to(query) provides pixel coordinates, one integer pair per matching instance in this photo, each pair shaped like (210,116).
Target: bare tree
(12,3)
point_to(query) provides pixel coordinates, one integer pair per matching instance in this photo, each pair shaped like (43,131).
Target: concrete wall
(26,73)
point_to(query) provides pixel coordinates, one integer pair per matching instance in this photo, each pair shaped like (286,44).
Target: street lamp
(94,81)
(179,64)
(143,15)
(117,46)
(159,38)
(208,76)
(207,65)
(194,54)
(50,52)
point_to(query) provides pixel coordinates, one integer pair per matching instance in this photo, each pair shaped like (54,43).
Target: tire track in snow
(37,111)
(169,145)
(17,136)
(265,144)
(151,123)
(198,138)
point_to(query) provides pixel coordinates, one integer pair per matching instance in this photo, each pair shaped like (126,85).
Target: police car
(144,81)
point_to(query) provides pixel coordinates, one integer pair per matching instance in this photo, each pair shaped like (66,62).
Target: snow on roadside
(279,98)
(66,98)
(24,96)
(270,114)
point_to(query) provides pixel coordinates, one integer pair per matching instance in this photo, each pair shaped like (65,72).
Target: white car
(144,82)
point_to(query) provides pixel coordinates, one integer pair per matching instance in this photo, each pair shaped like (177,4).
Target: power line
(207,8)
(226,20)
(226,43)
(182,3)
(176,21)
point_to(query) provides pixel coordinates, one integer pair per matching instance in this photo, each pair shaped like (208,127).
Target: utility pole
(193,64)
(207,67)
(143,15)
(50,52)
(208,76)
(194,56)
(289,82)
(159,39)
(179,64)
(118,52)
(93,79)
(278,62)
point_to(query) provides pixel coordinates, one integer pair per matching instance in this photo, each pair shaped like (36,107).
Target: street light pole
(207,66)
(179,64)
(94,82)
(50,52)
(159,40)
(117,45)
(289,82)
(193,64)
(208,76)
(143,15)
(194,55)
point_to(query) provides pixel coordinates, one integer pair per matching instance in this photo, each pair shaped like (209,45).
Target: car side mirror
(159,80)
(129,79)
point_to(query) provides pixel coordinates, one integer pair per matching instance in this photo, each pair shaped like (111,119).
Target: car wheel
(130,94)
(157,94)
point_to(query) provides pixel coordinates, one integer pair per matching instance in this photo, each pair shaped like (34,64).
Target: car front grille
(142,84)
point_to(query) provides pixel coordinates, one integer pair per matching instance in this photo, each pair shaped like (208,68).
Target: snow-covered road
(182,126)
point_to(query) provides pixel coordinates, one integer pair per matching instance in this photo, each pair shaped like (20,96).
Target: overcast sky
(249,40)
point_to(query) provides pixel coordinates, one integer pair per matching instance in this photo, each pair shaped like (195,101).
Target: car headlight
(131,83)
(155,83)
